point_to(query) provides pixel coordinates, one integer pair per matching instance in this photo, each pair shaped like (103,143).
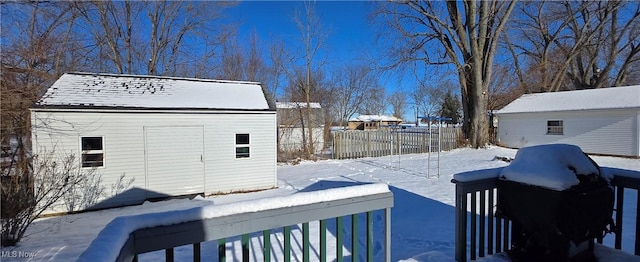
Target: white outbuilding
(164,136)
(600,121)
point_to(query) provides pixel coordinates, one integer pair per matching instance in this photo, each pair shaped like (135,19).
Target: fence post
(398,143)
(368,144)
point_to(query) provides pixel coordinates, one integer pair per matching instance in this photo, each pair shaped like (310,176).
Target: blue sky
(350,36)
(344,21)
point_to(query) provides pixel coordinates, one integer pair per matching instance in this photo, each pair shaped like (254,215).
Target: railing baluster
(505,234)
(245,248)
(637,249)
(287,244)
(354,237)
(498,235)
(323,240)
(266,240)
(339,239)
(369,236)
(483,210)
(305,242)
(168,254)
(619,205)
(197,255)
(222,250)
(490,222)
(473,225)
(387,235)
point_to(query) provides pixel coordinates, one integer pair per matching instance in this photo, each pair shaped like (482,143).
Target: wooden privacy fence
(384,142)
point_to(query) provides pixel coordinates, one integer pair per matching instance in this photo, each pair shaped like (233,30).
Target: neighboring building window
(242,145)
(92,151)
(555,127)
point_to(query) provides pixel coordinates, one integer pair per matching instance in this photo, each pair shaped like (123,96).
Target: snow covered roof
(601,98)
(87,90)
(376,118)
(287,105)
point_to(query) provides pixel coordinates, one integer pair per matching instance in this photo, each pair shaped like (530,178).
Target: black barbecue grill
(556,225)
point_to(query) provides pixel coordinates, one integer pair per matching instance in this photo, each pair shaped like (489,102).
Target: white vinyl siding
(125,142)
(595,131)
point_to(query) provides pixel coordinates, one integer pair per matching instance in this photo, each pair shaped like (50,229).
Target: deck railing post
(461,223)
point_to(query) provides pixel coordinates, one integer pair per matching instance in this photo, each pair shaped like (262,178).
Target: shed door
(174,160)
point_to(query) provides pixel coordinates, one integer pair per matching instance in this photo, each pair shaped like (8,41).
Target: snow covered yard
(422,218)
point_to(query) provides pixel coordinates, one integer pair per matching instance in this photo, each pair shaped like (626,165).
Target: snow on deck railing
(115,241)
(476,193)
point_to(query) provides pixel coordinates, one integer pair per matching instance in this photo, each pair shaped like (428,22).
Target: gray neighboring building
(601,121)
(291,117)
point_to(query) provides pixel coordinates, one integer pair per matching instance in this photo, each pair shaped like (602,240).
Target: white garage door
(174,160)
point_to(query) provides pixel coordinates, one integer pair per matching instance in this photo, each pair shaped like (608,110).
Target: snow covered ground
(422,218)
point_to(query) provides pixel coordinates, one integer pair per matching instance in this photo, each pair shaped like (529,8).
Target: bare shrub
(27,193)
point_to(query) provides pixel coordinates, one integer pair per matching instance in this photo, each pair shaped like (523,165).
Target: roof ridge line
(165,77)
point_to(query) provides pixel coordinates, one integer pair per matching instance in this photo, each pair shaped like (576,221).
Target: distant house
(292,117)
(373,122)
(600,121)
(172,136)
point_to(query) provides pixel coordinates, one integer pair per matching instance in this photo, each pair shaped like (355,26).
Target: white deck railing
(126,237)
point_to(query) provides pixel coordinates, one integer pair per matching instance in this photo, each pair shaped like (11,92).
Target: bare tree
(312,39)
(297,92)
(608,55)
(398,102)
(374,102)
(233,62)
(505,87)
(350,87)
(243,62)
(37,48)
(634,75)
(427,99)
(151,37)
(464,34)
(575,45)
(276,71)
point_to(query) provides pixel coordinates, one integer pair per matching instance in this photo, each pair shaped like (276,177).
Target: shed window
(92,151)
(555,127)
(242,145)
